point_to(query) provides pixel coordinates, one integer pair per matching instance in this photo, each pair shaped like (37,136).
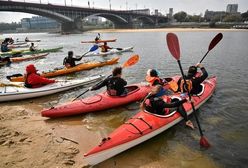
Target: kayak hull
(99,41)
(112,51)
(28,57)
(11,93)
(142,127)
(28,52)
(64,71)
(101,101)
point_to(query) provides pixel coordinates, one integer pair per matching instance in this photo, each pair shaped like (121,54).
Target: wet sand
(29,140)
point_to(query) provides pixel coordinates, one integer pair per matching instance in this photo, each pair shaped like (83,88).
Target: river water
(223,117)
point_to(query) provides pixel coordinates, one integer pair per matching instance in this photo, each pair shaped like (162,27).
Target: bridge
(71,17)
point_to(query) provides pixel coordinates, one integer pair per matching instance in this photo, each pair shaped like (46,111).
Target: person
(33,79)
(4,45)
(153,103)
(152,77)
(26,39)
(193,79)
(32,47)
(5,59)
(115,84)
(105,47)
(69,61)
(97,37)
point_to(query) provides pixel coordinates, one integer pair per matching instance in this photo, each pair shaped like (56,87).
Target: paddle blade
(173,45)
(204,142)
(131,61)
(215,41)
(93,48)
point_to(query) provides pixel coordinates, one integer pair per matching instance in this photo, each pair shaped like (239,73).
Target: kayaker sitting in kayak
(115,84)
(69,61)
(153,103)
(32,47)
(26,39)
(105,47)
(33,79)
(153,79)
(5,59)
(193,80)
(4,45)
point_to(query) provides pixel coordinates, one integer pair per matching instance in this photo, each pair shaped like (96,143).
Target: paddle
(213,43)
(173,45)
(131,61)
(93,48)
(10,84)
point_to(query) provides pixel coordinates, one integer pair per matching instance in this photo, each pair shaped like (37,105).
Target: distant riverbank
(165,30)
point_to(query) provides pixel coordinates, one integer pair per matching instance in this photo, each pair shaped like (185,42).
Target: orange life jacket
(151,80)
(188,85)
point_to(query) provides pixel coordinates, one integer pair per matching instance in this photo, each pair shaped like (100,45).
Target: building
(232,8)
(141,11)
(214,15)
(39,22)
(94,20)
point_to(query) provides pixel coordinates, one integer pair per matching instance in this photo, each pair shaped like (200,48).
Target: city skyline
(192,7)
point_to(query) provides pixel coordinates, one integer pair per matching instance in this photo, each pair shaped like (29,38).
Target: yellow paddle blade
(131,61)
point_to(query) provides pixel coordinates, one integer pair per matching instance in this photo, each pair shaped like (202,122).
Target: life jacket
(188,84)
(173,85)
(151,80)
(111,90)
(104,48)
(149,102)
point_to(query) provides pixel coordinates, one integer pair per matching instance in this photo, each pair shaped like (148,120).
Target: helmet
(70,53)
(31,69)
(192,70)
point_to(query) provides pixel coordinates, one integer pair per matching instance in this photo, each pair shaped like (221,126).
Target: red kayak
(101,101)
(143,126)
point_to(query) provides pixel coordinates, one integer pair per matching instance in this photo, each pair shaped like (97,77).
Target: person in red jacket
(33,79)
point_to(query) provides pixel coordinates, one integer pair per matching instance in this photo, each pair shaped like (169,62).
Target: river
(223,117)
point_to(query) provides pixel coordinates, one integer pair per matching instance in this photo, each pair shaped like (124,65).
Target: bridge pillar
(72,27)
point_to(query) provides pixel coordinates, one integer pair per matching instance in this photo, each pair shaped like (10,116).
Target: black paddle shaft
(192,104)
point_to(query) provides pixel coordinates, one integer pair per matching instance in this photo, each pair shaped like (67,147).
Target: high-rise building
(232,8)
(39,22)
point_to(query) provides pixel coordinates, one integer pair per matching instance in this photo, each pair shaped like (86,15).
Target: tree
(180,16)
(232,18)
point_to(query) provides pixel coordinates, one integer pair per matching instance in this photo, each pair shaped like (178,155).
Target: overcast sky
(189,6)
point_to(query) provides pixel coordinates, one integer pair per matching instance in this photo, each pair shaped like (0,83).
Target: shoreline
(167,30)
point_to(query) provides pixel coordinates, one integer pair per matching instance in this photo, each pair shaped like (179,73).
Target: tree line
(226,17)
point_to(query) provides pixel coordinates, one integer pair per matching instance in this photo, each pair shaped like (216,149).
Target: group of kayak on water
(153,102)
(4,48)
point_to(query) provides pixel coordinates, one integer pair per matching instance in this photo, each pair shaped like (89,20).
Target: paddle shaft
(204,56)
(81,94)
(192,104)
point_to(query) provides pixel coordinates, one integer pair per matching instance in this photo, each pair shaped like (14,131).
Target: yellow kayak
(64,71)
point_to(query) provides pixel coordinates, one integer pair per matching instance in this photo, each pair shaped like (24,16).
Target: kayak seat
(129,90)
(92,100)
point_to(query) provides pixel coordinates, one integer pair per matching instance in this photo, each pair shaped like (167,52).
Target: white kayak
(110,52)
(16,91)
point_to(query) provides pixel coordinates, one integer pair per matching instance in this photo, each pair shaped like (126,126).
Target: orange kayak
(64,71)
(28,57)
(99,41)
